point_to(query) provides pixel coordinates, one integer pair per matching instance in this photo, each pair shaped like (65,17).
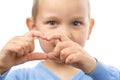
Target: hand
(71,53)
(19,50)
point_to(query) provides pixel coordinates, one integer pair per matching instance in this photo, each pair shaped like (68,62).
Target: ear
(30,23)
(90,28)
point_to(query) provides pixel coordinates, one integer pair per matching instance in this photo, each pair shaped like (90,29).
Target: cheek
(80,39)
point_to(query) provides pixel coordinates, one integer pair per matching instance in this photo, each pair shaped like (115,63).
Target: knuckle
(63,53)
(19,48)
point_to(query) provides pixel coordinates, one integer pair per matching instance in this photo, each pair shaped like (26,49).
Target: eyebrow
(85,19)
(80,18)
(51,18)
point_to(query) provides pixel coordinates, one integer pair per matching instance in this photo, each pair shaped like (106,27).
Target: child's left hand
(71,53)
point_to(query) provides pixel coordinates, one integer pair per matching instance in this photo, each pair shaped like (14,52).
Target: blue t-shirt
(40,72)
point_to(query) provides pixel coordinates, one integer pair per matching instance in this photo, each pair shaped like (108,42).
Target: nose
(64,30)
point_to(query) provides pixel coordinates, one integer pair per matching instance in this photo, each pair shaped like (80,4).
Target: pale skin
(19,50)
(62,31)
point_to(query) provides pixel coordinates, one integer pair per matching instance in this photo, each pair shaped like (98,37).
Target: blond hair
(35,8)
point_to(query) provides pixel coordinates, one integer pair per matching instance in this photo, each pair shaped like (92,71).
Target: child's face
(70,17)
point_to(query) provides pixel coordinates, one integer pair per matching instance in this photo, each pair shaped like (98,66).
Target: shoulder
(26,66)
(24,70)
(105,72)
(34,70)
(81,76)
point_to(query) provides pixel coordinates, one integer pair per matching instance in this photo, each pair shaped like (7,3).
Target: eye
(52,22)
(76,23)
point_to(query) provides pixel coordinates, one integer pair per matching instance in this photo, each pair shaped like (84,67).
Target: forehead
(81,6)
(63,2)
(82,1)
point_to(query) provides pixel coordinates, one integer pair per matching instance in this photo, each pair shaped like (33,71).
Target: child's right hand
(19,50)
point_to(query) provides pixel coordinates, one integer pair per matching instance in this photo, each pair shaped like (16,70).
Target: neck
(60,69)
(50,64)
(53,63)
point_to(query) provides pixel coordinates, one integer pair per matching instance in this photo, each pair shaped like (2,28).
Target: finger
(53,57)
(59,46)
(22,44)
(36,56)
(28,45)
(62,45)
(73,59)
(60,37)
(35,33)
(16,51)
(55,54)
(65,53)
(31,57)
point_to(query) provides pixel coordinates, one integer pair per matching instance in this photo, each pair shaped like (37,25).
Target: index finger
(60,37)
(34,33)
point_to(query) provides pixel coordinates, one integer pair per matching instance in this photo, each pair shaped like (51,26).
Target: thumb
(31,57)
(36,56)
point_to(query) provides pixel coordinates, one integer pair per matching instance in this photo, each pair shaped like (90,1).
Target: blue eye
(52,22)
(76,23)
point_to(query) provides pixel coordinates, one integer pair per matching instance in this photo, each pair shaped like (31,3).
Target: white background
(104,43)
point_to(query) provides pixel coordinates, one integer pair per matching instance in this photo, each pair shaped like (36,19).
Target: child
(62,27)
